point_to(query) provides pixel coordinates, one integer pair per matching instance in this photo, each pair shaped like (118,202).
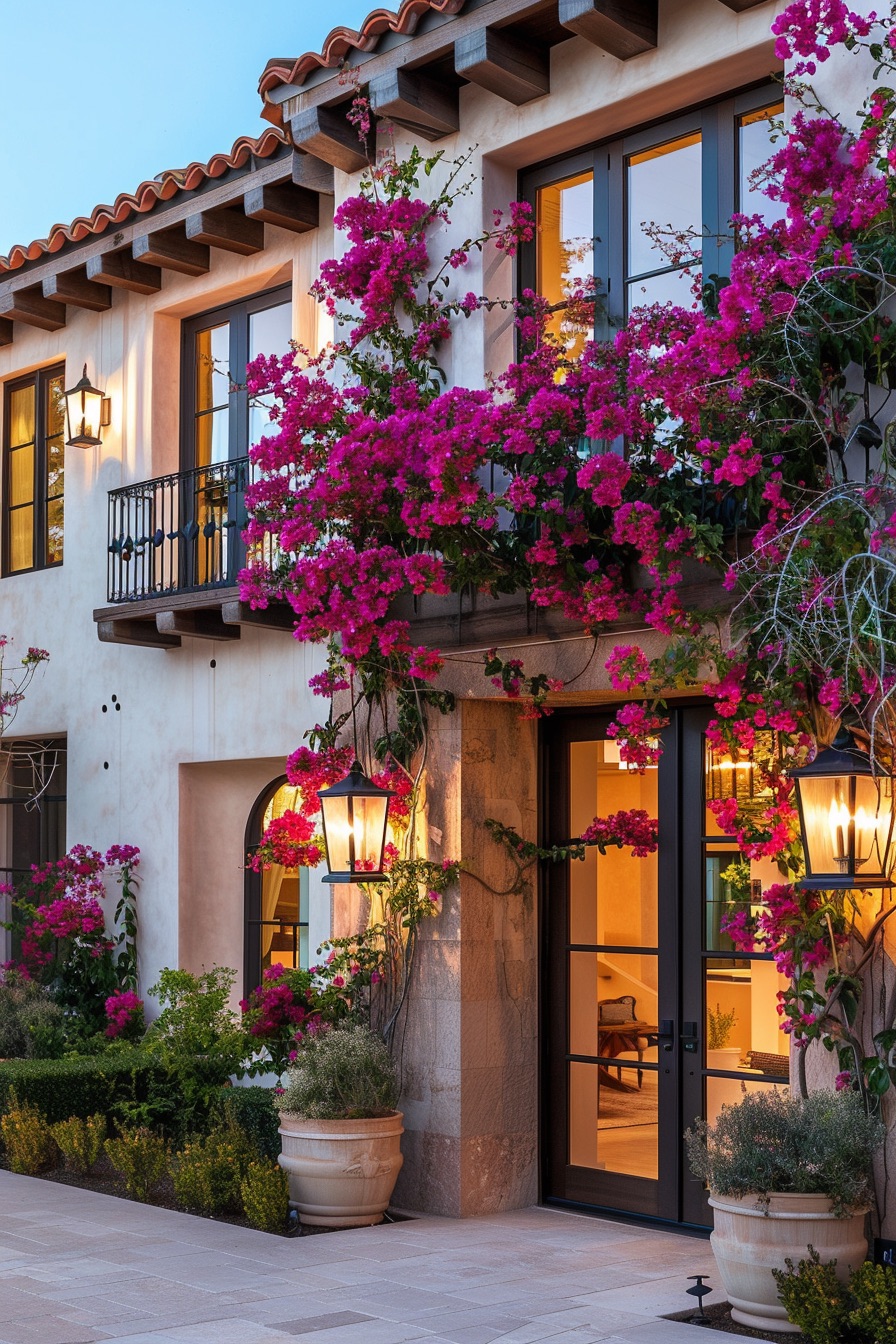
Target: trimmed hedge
(83,1086)
(252,1110)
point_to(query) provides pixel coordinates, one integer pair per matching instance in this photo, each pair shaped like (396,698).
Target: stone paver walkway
(78,1267)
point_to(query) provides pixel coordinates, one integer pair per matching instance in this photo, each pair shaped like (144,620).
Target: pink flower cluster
(633,827)
(124,1010)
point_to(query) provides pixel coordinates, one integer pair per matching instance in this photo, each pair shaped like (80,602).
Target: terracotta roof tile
(285,70)
(145,198)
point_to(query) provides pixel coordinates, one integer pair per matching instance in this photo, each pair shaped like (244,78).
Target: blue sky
(100,95)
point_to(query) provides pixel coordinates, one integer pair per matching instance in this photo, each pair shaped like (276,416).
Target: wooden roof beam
(285,206)
(501,63)
(312,174)
(419,104)
(230,230)
(624,28)
(119,270)
(6,331)
(74,288)
(30,306)
(325,133)
(170,249)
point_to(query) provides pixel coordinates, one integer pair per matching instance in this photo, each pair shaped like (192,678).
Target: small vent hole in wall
(105,709)
(213,663)
(105,765)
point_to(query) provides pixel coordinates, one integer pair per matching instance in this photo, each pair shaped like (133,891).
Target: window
(32,815)
(220,425)
(276,898)
(33,471)
(629,211)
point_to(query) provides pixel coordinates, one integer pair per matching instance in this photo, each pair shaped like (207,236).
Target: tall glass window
(221,424)
(650,212)
(276,899)
(34,474)
(754,149)
(664,221)
(565,217)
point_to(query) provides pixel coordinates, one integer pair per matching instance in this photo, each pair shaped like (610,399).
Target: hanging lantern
(355,812)
(846,819)
(87,410)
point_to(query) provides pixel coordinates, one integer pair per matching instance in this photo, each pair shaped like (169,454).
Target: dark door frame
(675,1197)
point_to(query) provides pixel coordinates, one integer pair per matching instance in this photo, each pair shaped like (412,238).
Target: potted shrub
(340,1130)
(719,1054)
(784,1174)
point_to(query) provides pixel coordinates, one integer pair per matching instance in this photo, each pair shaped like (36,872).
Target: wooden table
(612,1039)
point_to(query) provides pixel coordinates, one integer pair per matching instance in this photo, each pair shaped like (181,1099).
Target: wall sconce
(87,410)
(355,812)
(846,819)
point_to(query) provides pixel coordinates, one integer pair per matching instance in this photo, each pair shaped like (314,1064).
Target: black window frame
(718,124)
(39,379)
(237,313)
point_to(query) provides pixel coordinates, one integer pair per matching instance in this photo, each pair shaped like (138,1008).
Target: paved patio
(78,1267)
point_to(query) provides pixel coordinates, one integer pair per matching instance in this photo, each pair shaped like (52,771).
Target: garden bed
(718,1317)
(104,1181)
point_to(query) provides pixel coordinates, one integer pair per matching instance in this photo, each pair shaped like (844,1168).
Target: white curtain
(270,895)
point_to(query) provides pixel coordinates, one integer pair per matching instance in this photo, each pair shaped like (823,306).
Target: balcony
(174,554)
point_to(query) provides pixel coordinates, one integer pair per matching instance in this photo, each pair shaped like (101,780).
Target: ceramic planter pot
(341,1172)
(749,1243)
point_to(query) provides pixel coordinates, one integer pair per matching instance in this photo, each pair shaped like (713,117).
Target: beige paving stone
(78,1266)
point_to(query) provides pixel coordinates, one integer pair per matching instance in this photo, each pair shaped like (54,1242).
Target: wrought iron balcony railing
(178,533)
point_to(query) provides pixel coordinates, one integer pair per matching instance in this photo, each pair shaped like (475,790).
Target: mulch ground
(718,1317)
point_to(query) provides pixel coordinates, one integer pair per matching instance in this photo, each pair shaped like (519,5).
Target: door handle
(689,1040)
(665,1034)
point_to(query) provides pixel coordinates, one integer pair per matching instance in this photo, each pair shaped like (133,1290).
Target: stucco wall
(171,708)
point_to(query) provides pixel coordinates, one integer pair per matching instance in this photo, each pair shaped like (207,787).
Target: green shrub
(80,1141)
(62,1088)
(252,1111)
(208,1172)
(873,1316)
(344,1074)
(815,1299)
(26,1134)
(31,1024)
(772,1143)
(141,1157)
(197,1039)
(265,1196)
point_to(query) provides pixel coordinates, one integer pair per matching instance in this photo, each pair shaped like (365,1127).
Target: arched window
(276,898)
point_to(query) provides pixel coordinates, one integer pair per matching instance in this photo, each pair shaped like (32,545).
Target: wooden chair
(615,1013)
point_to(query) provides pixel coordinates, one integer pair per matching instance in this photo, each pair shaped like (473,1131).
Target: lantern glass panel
(337,830)
(369,828)
(847,822)
(89,418)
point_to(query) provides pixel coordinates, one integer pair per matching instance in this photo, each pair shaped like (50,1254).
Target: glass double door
(652,1018)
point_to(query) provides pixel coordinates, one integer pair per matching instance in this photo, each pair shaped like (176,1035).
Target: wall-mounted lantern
(87,411)
(846,819)
(355,812)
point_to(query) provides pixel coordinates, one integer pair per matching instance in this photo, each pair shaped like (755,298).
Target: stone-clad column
(469,1041)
